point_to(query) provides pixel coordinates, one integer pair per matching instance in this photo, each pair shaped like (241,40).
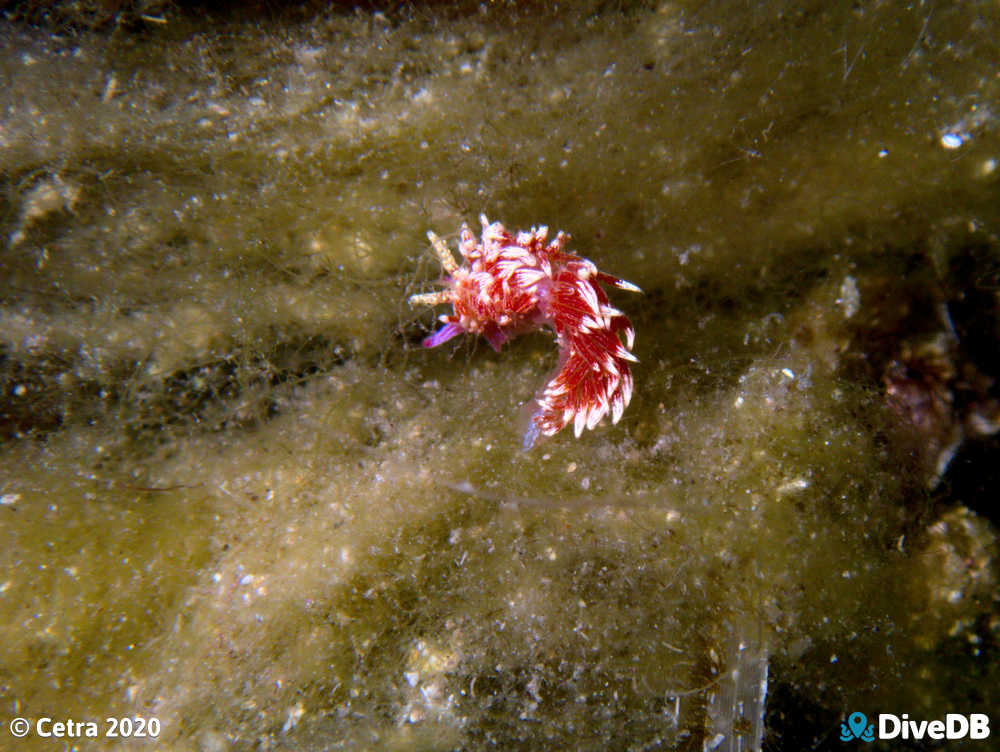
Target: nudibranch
(509,284)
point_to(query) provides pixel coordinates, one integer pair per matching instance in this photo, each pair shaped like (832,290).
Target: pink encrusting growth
(510,284)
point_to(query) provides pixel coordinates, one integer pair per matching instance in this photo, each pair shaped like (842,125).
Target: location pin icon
(857,722)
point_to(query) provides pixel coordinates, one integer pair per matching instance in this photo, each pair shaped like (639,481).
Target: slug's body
(510,284)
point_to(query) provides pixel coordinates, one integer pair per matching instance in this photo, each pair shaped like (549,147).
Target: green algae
(240,498)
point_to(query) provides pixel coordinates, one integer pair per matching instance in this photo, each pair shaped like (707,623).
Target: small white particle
(849,298)
(951,140)
(796,484)
(295,713)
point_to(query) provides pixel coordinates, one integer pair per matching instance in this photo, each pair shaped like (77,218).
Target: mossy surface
(238,496)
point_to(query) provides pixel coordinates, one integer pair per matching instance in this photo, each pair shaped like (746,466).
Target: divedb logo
(954,726)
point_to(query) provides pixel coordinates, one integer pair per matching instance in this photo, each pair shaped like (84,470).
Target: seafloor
(237,496)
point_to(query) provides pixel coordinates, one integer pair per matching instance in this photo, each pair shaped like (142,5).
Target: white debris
(850,298)
(951,140)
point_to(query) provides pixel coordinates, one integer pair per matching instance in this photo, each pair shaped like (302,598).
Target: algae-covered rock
(238,497)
